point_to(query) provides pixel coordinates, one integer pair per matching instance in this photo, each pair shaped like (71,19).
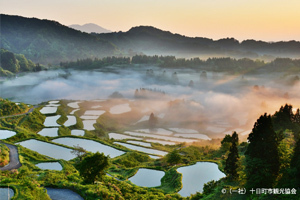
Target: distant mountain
(46,41)
(90,28)
(150,40)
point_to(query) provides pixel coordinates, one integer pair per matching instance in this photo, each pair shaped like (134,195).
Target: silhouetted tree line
(215,64)
(89,63)
(144,93)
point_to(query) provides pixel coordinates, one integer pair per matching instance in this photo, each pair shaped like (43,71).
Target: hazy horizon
(267,21)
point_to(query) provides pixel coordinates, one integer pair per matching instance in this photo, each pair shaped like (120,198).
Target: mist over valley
(216,103)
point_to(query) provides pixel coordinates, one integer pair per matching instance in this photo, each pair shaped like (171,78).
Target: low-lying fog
(212,101)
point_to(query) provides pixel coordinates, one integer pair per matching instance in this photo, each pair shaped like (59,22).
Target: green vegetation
(33,122)
(85,173)
(79,152)
(12,63)
(4,155)
(132,159)
(64,131)
(46,41)
(10,108)
(171,182)
(227,64)
(231,164)
(92,167)
(173,158)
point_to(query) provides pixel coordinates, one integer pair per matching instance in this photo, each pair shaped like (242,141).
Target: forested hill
(150,41)
(45,41)
(11,63)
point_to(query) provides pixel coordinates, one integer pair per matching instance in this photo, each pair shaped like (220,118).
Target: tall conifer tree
(233,157)
(262,159)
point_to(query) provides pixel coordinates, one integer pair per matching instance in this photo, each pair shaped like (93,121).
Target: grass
(171,182)
(33,122)
(64,131)
(122,173)
(4,155)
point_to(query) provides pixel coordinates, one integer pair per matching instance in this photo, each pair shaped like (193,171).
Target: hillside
(150,40)
(278,133)
(46,41)
(89,28)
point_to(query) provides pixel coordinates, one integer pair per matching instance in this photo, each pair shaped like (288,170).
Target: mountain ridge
(48,41)
(145,38)
(90,28)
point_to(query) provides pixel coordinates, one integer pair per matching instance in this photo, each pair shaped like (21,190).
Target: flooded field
(51,150)
(119,109)
(4,134)
(62,194)
(118,136)
(89,124)
(71,120)
(50,166)
(48,110)
(142,149)
(145,144)
(90,145)
(50,132)
(174,139)
(78,132)
(51,121)
(6,193)
(147,178)
(195,176)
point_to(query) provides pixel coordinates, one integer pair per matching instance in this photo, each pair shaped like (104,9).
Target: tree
(283,117)
(233,157)
(78,151)
(173,157)
(191,83)
(9,61)
(136,94)
(203,75)
(23,62)
(152,121)
(262,159)
(92,167)
(296,118)
(295,166)
(225,143)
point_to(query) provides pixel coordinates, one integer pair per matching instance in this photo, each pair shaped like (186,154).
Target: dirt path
(14,162)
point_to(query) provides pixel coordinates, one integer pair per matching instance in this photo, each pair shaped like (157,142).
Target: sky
(268,20)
